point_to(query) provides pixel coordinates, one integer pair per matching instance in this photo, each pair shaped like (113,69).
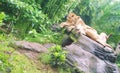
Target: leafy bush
(24,16)
(57,9)
(2,16)
(56,56)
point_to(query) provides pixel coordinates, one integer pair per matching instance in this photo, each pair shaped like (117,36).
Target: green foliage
(21,64)
(118,60)
(83,9)
(5,65)
(56,56)
(106,14)
(45,37)
(45,58)
(2,16)
(105,18)
(57,9)
(24,16)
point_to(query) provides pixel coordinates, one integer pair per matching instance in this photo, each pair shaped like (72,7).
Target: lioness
(75,22)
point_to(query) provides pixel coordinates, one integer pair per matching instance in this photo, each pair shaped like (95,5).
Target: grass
(44,37)
(11,61)
(118,61)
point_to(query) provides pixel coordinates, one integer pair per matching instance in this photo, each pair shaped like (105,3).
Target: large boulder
(85,54)
(91,57)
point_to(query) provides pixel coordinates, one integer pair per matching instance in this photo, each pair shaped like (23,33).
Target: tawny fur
(75,22)
(70,22)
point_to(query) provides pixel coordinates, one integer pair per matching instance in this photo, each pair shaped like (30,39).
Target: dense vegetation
(32,20)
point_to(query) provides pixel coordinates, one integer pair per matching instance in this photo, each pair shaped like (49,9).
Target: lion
(91,32)
(75,22)
(70,22)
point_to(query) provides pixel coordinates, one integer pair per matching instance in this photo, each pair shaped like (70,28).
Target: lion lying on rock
(74,22)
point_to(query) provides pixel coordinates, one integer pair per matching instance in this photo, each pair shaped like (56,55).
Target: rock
(105,53)
(48,45)
(31,46)
(91,57)
(32,55)
(66,41)
(55,28)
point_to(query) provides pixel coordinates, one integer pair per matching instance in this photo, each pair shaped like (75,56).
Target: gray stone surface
(85,54)
(48,45)
(31,46)
(91,57)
